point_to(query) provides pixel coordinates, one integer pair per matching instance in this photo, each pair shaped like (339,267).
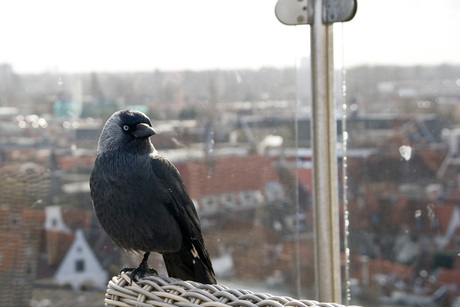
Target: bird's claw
(139,272)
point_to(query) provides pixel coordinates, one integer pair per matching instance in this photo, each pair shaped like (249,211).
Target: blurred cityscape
(241,140)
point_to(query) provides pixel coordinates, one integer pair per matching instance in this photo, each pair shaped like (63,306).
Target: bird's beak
(143,131)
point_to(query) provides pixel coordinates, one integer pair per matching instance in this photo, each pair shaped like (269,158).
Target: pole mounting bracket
(299,12)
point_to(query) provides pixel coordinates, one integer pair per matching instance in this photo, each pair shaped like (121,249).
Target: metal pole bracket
(339,10)
(299,12)
(292,12)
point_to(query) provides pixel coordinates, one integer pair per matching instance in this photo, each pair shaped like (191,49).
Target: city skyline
(140,35)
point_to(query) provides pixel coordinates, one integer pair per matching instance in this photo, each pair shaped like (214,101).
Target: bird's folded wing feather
(182,208)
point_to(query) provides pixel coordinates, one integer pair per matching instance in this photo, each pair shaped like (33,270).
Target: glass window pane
(402,95)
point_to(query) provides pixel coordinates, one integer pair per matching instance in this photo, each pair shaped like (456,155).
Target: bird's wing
(182,208)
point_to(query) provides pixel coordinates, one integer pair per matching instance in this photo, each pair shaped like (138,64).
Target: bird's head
(126,129)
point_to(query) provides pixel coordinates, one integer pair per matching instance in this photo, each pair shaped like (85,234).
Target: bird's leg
(142,269)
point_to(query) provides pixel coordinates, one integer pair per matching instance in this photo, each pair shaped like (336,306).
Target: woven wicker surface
(165,291)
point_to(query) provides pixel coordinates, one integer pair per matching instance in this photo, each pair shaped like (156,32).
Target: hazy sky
(114,35)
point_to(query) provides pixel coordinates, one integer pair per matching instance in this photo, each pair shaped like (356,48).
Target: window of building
(79,265)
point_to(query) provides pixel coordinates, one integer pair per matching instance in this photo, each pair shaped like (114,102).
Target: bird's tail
(188,264)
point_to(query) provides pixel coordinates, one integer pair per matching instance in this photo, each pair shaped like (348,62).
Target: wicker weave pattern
(166,292)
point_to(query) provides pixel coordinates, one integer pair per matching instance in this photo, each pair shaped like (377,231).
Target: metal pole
(324,133)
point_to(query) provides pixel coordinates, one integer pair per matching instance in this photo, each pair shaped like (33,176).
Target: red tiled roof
(70,162)
(227,175)
(57,245)
(77,218)
(447,276)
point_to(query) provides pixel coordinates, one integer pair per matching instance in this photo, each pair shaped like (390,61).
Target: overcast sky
(122,35)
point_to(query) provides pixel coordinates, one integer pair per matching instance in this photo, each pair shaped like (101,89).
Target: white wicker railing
(167,292)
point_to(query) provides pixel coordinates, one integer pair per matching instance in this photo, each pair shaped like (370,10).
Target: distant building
(20,229)
(247,215)
(54,221)
(58,235)
(80,266)
(19,241)
(235,182)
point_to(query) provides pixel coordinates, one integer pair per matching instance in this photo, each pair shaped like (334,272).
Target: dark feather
(193,258)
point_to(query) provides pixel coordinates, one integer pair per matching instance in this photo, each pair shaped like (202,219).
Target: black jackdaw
(142,203)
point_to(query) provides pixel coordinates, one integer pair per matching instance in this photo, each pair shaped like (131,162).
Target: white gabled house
(54,220)
(80,266)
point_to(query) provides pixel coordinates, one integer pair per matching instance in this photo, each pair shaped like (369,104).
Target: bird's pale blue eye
(125,127)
